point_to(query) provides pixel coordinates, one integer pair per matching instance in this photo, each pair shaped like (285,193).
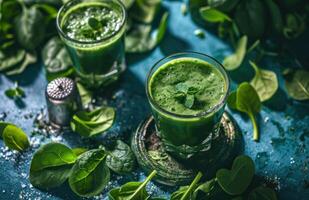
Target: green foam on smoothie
(194,76)
(88,22)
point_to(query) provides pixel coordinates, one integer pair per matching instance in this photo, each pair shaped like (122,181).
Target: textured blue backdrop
(281,155)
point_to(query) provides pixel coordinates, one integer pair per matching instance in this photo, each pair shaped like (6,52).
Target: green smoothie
(93,32)
(187,97)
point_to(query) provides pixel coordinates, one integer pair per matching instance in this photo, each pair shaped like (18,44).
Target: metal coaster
(151,155)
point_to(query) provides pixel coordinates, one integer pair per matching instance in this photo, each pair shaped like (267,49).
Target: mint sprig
(186,94)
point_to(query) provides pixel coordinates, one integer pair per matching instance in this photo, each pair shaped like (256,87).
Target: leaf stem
(192,185)
(153,173)
(255,127)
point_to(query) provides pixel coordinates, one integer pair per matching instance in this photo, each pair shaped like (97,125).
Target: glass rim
(58,23)
(200,114)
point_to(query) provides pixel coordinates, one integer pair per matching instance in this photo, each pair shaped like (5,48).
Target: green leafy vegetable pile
(88,172)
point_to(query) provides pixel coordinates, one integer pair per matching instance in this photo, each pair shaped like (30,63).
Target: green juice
(93,32)
(184,126)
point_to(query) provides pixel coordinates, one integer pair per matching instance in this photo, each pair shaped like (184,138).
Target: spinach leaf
(246,100)
(265,82)
(237,180)
(187,192)
(56,59)
(250,18)
(10,60)
(132,190)
(85,94)
(92,123)
(30,58)
(295,25)
(79,151)
(120,159)
(15,93)
(275,15)
(14,138)
(51,165)
(233,61)
(262,193)
(89,175)
(213,15)
(145,10)
(297,84)
(30,28)
(141,37)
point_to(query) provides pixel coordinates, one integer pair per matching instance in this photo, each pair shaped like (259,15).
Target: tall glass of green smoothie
(187,93)
(93,32)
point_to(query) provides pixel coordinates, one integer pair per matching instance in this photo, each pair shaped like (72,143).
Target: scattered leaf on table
(18,69)
(16,92)
(14,137)
(92,123)
(213,15)
(51,165)
(237,180)
(85,94)
(141,38)
(10,60)
(89,175)
(265,82)
(297,84)
(121,158)
(233,61)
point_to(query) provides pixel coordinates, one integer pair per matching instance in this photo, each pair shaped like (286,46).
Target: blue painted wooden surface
(281,155)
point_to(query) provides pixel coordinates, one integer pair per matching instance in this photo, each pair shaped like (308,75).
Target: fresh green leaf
(56,59)
(295,25)
(297,84)
(236,180)
(94,23)
(30,28)
(145,10)
(141,37)
(262,193)
(121,159)
(15,92)
(89,175)
(224,5)
(85,94)
(79,151)
(132,190)
(51,165)
(233,61)
(11,60)
(248,101)
(182,87)
(189,102)
(275,15)
(213,15)
(50,10)
(13,137)
(30,58)
(265,82)
(187,192)
(92,123)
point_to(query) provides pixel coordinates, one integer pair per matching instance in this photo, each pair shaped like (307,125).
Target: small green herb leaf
(236,180)
(182,87)
(187,192)
(248,101)
(189,102)
(92,123)
(132,190)
(213,15)
(121,159)
(15,92)
(262,193)
(233,61)
(51,165)
(13,137)
(94,23)
(89,175)
(297,84)
(265,82)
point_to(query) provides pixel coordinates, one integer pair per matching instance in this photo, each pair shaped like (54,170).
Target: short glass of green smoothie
(187,93)
(93,32)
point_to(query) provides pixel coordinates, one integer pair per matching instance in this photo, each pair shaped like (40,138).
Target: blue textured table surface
(281,155)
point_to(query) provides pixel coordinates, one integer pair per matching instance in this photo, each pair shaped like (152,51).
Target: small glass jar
(97,62)
(185,136)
